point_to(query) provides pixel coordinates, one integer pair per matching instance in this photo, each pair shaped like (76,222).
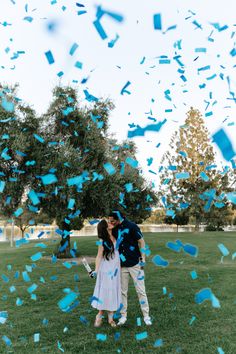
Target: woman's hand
(93,274)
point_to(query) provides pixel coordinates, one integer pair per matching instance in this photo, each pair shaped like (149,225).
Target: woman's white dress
(107,291)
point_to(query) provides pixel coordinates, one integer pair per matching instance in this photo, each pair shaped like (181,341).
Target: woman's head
(102,229)
(103,233)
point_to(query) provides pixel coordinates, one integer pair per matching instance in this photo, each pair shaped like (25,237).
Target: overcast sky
(109,69)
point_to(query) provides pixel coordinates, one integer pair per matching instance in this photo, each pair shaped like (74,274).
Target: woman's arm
(98,258)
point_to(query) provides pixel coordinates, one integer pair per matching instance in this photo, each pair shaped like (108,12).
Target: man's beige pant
(139,284)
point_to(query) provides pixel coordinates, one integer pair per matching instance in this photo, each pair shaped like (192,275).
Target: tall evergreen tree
(189,176)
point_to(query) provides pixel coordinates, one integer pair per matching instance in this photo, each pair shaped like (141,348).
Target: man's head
(115,217)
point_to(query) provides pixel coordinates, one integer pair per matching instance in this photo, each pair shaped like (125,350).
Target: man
(132,256)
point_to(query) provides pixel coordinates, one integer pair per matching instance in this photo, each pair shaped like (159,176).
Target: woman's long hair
(108,246)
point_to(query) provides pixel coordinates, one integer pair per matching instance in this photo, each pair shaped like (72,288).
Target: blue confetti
(132,162)
(73,48)
(66,301)
(190,249)
(19,302)
(36,337)
(193,274)
(39,138)
(150,127)
(158,343)
(224,144)
(110,169)
(173,246)
(192,320)
(204,176)
(8,106)
(48,179)
(49,57)
(33,197)
(159,261)
(3,316)
(28,19)
(7,340)
(124,89)
(32,288)
(223,249)
(2,186)
(182,175)
(18,212)
(36,256)
(157,21)
(25,276)
(79,65)
(101,337)
(206,294)
(100,29)
(113,41)
(141,336)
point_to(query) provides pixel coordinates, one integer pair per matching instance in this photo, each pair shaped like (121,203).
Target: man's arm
(142,246)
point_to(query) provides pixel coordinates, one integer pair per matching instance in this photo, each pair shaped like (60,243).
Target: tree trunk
(64,248)
(12,231)
(197,225)
(177,228)
(22,229)
(5,231)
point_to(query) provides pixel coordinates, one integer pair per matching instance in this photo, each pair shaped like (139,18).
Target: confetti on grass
(223,249)
(173,246)
(159,261)
(190,249)
(3,317)
(158,343)
(207,294)
(101,337)
(37,256)
(7,340)
(66,301)
(141,336)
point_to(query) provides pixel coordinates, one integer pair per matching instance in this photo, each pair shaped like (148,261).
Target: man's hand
(142,262)
(93,274)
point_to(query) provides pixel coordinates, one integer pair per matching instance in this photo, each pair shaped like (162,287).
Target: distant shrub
(211,227)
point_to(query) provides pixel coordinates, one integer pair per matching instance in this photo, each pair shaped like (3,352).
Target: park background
(142,121)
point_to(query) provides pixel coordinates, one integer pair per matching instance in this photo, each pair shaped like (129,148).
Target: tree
(190,179)
(17,121)
(77,146)
(29,218)
(180,218)
(66,166)
(220,213)
(157,216)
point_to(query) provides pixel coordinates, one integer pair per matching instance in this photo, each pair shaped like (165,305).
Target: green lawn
(171,315)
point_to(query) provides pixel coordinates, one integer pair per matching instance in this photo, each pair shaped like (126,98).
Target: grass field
(172,313)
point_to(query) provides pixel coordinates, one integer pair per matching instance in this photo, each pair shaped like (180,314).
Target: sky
(192,30)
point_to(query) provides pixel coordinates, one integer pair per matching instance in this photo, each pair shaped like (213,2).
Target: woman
(107,292)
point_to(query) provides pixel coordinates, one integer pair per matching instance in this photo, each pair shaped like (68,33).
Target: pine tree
(189,177)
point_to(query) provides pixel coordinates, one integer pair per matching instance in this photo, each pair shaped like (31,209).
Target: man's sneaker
(147,320)
(122,321)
